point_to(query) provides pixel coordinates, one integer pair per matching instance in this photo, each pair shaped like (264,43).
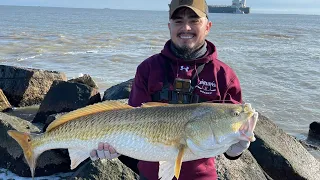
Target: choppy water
(277,57)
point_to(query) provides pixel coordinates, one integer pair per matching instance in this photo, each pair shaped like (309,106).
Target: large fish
(165,133)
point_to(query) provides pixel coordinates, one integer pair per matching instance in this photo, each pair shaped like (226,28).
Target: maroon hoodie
(217,82)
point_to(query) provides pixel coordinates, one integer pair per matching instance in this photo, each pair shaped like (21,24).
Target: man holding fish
(189,110)
(186,71)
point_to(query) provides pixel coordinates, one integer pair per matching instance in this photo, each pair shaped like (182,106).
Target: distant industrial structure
(237,7)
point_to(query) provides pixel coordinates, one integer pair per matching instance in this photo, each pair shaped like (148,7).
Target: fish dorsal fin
(153,104)
(91,109)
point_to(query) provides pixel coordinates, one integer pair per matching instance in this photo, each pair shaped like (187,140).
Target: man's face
(187,30)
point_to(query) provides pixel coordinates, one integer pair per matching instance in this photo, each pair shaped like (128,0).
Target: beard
(186,52)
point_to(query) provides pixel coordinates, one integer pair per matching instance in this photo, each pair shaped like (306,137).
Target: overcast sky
(257,6)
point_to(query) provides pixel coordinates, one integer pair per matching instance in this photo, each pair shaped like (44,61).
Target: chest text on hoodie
(207,87)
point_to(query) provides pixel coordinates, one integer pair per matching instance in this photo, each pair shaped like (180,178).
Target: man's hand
(104,151)
(238,148)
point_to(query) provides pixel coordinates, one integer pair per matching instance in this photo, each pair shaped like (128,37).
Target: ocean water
(276,57)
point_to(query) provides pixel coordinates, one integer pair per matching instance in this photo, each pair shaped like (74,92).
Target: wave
(81,52)
(29,57)
(277,36)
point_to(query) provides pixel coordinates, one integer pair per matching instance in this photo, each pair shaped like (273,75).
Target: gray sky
(257,6)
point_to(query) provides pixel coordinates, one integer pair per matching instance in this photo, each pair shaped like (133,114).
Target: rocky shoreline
(274,155)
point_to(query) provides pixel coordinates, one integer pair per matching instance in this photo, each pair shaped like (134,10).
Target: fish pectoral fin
(77,156)
(178,164)
(166,170)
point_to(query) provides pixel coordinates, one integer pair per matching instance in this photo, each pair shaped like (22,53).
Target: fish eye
(236,113)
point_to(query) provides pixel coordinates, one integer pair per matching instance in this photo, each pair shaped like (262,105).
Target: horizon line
(279,11)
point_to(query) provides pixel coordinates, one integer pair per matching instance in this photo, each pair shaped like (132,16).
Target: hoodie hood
(210,55)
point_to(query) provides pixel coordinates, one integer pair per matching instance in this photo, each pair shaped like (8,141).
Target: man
(186,71)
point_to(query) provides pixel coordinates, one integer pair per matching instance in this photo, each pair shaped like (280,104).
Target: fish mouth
(247,128)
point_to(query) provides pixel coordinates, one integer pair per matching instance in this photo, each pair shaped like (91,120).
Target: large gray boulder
(25,86)
(280,155)
(85,79)
(104,169)
(65,97)
(12,157)
(119,91)
(246,167)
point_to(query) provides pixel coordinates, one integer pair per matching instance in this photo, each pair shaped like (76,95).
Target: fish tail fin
(25,141)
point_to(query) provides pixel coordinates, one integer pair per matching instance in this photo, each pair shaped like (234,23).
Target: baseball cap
(198,6)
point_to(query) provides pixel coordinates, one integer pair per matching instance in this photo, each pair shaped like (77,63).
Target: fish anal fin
(170,169)
(153,104)
(91,109)
(178,163)
(166,170)
(77,156)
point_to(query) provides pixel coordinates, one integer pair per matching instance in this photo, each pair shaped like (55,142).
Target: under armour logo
(184,68)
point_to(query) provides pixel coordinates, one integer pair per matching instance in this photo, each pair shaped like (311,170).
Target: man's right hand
(104,151)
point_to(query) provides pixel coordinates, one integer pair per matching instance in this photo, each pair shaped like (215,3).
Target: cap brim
(197,11)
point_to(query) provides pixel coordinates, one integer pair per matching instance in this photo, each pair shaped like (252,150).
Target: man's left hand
(104,151)
(238,148)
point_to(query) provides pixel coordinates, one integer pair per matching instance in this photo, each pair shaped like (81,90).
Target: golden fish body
(155,132)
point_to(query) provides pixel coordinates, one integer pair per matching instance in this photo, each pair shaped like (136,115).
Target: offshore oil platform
(237,7)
